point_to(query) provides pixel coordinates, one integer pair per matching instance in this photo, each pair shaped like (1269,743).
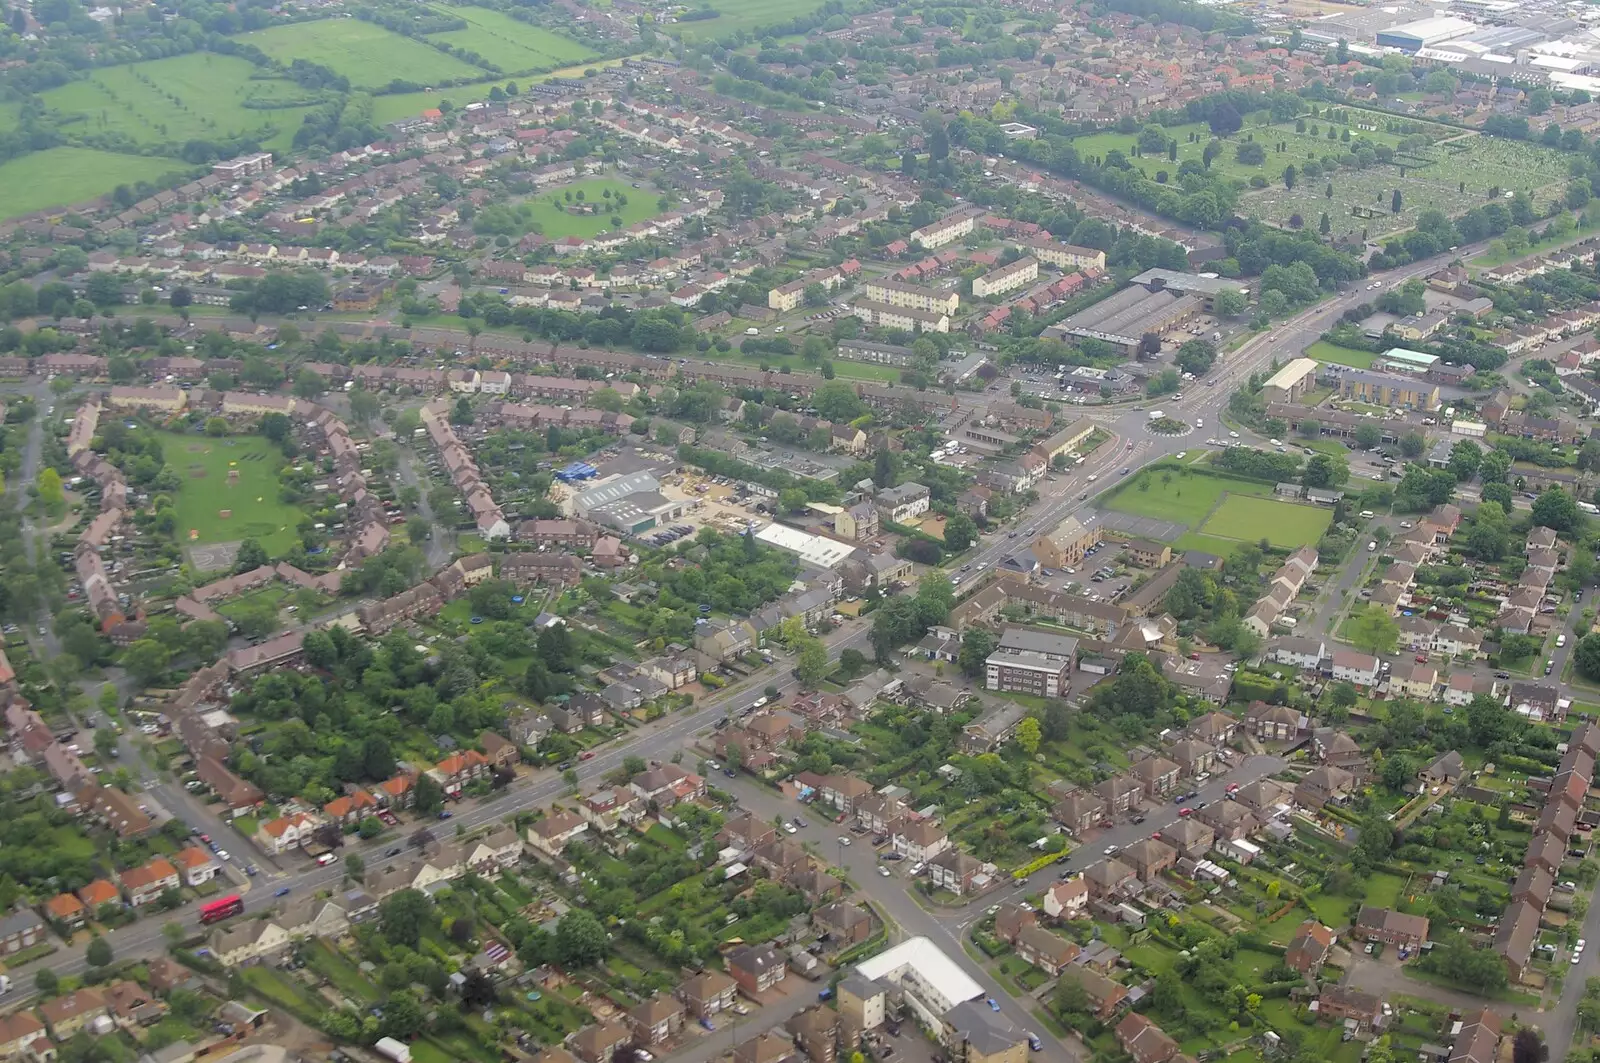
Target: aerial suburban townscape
(539,531)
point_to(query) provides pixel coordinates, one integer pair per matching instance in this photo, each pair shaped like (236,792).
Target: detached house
(1309,948)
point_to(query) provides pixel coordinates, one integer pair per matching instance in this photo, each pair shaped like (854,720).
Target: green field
(369,55)
(515,47)
(1284,524)
(1219,512)
(136,101)
(1331,353)
(60,176)
(735,15)
(1433,179)
(252,503)
(549,208)
(1182,499)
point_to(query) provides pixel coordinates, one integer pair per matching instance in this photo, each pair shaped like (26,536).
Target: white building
(933,983)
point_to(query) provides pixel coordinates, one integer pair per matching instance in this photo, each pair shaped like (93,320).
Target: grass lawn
(555,221)
(515,47)
(735,15)
(1332,353)
(252,503)
(842,369)
(60,176)
(1284,523)
(1185,499)
(366,53)
(135,100)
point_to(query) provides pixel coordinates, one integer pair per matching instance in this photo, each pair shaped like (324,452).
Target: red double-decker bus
(225,908)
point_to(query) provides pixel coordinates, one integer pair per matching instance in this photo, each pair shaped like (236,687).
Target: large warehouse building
(1412,37)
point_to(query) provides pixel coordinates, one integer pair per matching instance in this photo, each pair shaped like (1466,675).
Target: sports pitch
(1219,508)
(250,499)
(1283,524)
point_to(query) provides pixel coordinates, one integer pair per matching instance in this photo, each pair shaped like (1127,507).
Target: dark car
(730,773)
(392,852)
(281,891)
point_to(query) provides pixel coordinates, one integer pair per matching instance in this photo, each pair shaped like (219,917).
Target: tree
(1554,508)
(1465,457)
(252,555)
(1394,202)
(1327,471)
(1368,436)
(429,795)
(403,1017)
(1412,444)
(46,982)
(1374,630)
(355,868)
(98,953)
(976,646)
(1230,303)
(580,939)
(1528,1047)
(145,659)
(1586,655)
(51,493)
(1028,735)
(402,915)
(960,532)
(811,662)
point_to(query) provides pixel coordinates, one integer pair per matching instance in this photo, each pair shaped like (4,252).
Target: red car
(1422,658)
(205,838)
(587,754)
(1233,788)
(1185,811)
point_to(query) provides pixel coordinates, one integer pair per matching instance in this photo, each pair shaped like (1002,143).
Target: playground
(229,493)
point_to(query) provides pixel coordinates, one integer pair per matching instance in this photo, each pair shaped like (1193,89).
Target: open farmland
(515,47)
(369,55)
(188,97)
(210,490)
(736,15)
(1430,180)
(61,176)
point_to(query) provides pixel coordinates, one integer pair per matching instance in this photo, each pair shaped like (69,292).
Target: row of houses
(463,471)
(1565,796)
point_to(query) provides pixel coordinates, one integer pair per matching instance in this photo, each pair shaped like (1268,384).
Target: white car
(1576,956)
(789,828)
(916,869)
(1405,524)
(1233,435)
(883,869)
(843,840)
(222,854)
